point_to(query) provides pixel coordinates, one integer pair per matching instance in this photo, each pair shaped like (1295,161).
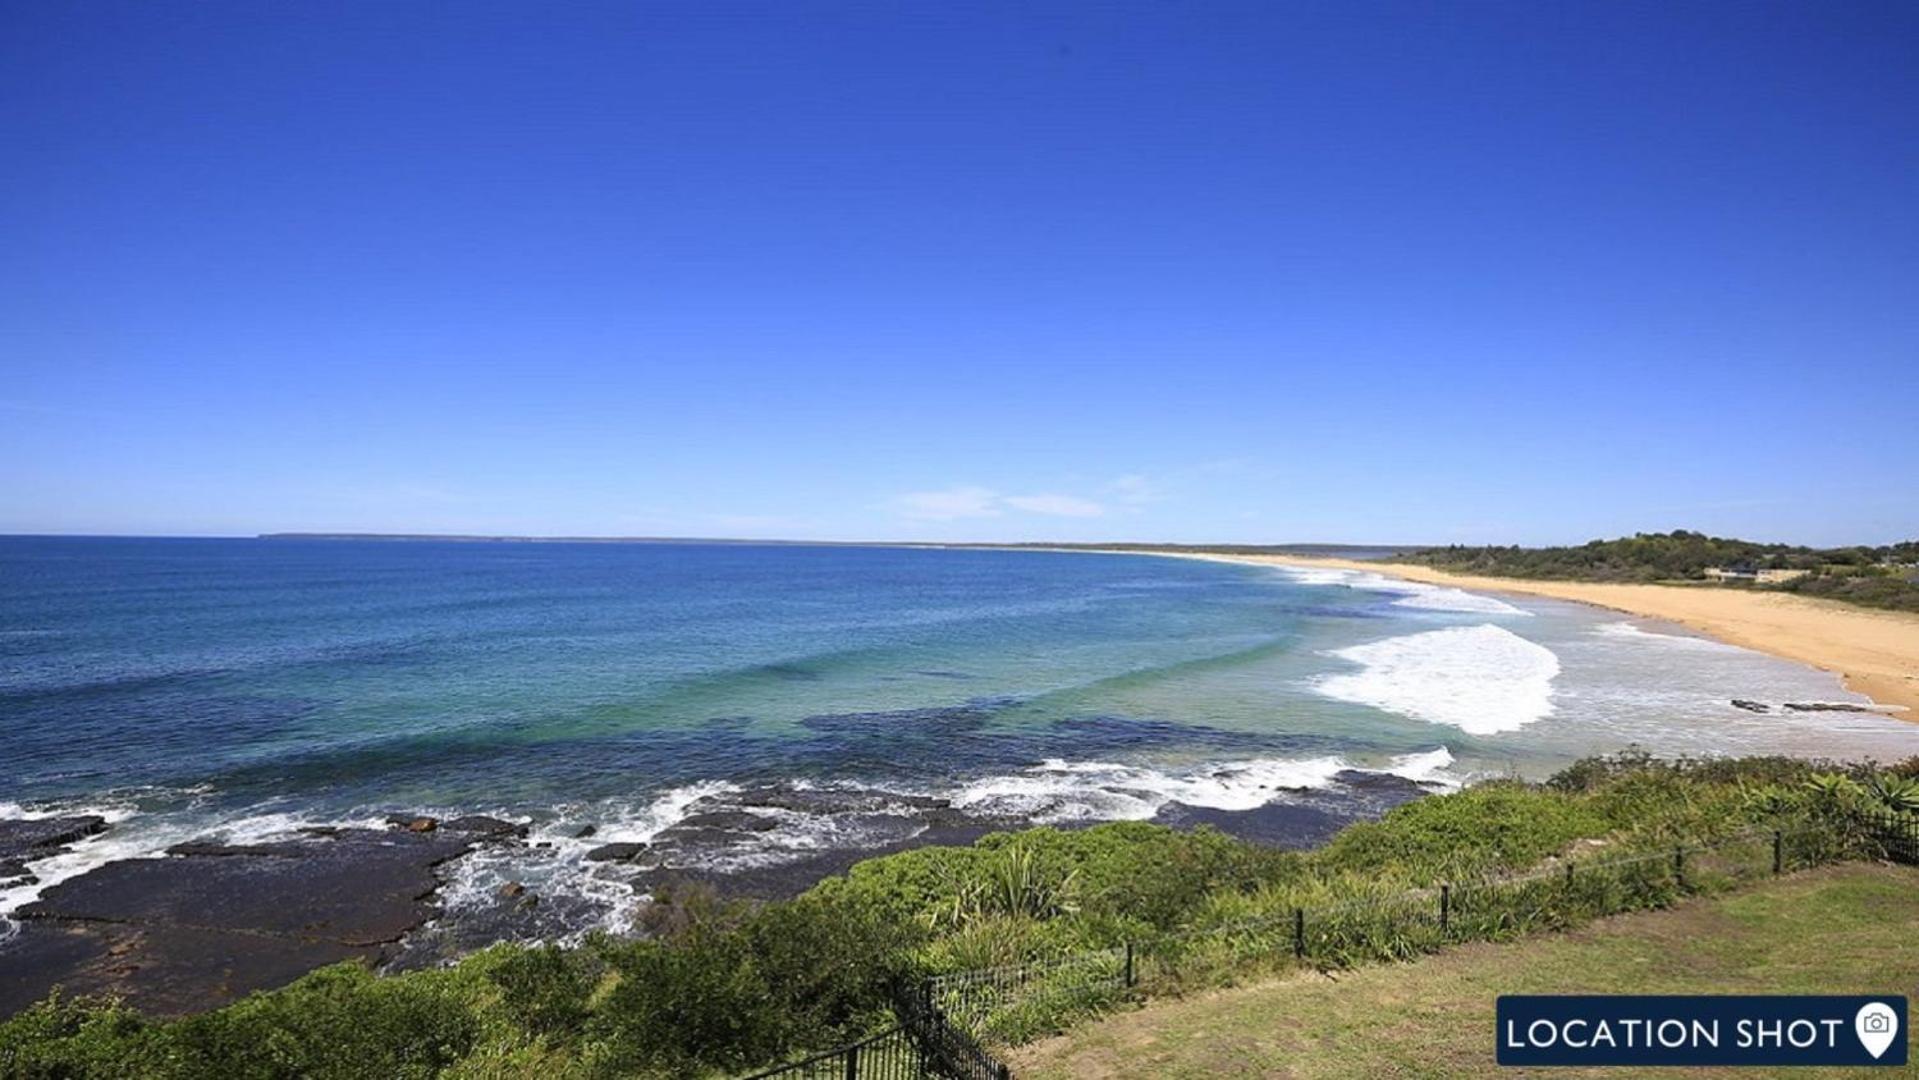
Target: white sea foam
(1412,594)
(1625,631)
(657,816)
(1056,791)
(1433,598)
(1426,768)
(1481,679)
(598,896)
(266,827)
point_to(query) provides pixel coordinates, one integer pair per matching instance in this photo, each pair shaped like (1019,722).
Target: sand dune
(1876,652)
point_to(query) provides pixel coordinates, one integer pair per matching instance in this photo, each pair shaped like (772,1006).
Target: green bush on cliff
(1125,870)
(745,986)
(1483,829)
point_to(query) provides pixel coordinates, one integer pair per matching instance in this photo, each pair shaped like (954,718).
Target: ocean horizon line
(1300,547)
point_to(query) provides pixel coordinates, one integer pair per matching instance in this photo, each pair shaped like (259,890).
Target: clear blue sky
(1530,272)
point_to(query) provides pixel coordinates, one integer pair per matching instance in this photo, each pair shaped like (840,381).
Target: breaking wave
(1058,791)
(1411,594)
(1626,631)
(1481,679)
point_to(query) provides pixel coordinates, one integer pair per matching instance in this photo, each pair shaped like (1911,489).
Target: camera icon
(1877,1025)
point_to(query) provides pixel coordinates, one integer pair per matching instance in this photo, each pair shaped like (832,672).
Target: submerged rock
(1304,819)
(616,852)
(1751,706)
(833,801)
(725,821)
(418,823)
(491,828)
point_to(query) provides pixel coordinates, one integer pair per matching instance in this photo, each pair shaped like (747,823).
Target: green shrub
(63,1038)
(545,990)
(341,1021)
(1494,826)
(749,986)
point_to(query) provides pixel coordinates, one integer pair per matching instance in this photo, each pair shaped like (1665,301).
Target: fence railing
(890,1055)
(925,1043)
(1397,925)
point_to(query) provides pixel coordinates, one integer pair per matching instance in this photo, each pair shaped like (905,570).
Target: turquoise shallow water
(252,685)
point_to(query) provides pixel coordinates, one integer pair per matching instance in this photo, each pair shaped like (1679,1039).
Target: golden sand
(1875,652)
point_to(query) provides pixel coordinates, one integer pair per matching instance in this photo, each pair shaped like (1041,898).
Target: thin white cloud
(951,504)
(1134,490)
(1221,465)
(970,501)
(760,522)
(1056,505)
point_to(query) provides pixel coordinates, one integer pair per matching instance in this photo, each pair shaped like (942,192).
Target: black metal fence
(890,1055)
(924,1044)
(1898,836)
(950,1050)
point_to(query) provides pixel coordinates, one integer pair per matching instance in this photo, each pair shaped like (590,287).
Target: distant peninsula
(1349,551)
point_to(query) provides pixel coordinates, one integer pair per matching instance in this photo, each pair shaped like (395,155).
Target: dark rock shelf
(211,922)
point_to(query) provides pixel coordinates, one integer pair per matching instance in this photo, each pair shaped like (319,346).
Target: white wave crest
(1481,679)
(1435,598)
(1428,767)
(1625,631)
(664,812)
(1412,594)
(1057,791)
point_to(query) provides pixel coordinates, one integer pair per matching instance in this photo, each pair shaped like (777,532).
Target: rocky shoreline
(209,922)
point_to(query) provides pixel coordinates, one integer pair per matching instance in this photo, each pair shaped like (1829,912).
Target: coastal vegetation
(723,987)
(1884,577)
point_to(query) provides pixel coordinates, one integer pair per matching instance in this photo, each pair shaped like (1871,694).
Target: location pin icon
(1876,1025)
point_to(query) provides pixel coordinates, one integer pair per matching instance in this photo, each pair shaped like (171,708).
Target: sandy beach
(1875,652)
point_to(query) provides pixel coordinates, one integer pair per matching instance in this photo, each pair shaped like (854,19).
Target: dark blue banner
(1703,1030)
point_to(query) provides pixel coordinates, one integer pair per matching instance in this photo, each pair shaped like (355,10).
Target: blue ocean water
(249,686)
(370,673)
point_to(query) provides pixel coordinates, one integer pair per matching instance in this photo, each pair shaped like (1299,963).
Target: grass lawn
(1842,930)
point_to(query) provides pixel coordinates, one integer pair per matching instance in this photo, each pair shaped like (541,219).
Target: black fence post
(1299,933)
(1679,865)
(1445,906)
(853,1062)
(1129,963)
(1778,851)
